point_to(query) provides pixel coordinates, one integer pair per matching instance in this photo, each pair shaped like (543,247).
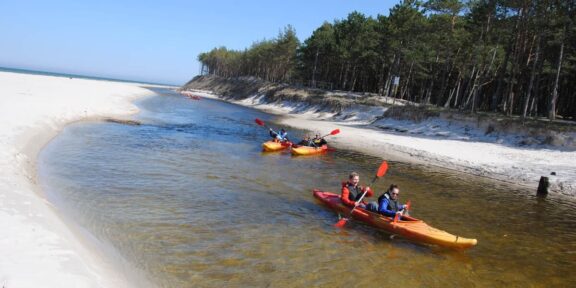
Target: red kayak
(407,227)
(190,95)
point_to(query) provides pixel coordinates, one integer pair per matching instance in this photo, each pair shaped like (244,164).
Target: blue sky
(156,41)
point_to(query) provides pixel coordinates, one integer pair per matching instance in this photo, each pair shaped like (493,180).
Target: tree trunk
(496,97)
(509,103)
(554,98)
(341,75)
(353,78)
(315,65)
(457,96)
(381,78)
(446,79)
(345,77)
(532,76)
(452,92)
(471,87)
(389,76)
(431,87)
(536,98)
(407,81)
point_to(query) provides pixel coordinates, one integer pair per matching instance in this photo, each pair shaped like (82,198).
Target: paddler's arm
(382,208)
(345,194)
(369,192)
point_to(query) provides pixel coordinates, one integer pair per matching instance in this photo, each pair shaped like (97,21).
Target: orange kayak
(408,227)
(306,150)
(272,146)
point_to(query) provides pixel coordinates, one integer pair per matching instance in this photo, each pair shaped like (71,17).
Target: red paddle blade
(341,222)
(396,218)
(382,170)
(259,122)
(334,132)
(408,205)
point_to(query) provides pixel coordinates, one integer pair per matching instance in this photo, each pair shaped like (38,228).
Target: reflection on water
(189,198)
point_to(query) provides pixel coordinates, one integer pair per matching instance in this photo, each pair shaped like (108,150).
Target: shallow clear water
(188,198)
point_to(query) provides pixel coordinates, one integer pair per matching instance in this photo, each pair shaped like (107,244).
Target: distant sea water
(57,74)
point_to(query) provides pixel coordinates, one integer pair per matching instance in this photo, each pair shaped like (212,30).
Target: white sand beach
(38,249)
(435,143)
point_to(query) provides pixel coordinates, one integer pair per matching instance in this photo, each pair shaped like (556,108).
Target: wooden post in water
(543,186)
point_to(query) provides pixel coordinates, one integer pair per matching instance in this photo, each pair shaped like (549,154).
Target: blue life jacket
(387,206)
(282,136)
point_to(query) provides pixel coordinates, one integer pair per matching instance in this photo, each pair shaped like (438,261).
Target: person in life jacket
(388,204)
(318,141)
(351,193)
(305,141)
(280,136)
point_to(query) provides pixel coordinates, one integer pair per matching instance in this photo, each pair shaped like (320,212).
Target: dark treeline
(272,60)
(516,57)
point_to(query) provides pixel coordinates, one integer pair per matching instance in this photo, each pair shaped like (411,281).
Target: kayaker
(318,141)
(351,193)
(281,136)
(305,141)
(388,202)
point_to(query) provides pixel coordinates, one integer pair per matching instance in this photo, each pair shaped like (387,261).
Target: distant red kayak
(408,227)
(190,95)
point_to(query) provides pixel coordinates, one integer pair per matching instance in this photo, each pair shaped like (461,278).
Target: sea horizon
(80,76)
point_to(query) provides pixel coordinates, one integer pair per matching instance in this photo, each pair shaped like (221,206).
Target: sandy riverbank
(446,144)
(37,248)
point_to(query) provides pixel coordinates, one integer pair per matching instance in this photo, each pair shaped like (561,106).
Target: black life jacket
(355,192)
(392,204)
(319,142)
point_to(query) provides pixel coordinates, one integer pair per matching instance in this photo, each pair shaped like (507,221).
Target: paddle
(261,123)
(334,132)
(397,216)
(381,172)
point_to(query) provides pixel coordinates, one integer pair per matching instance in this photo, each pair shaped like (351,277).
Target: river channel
(189,199)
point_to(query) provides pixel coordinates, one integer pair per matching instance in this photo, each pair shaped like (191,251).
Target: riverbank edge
(41,247)
(306,115)
(560,134)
